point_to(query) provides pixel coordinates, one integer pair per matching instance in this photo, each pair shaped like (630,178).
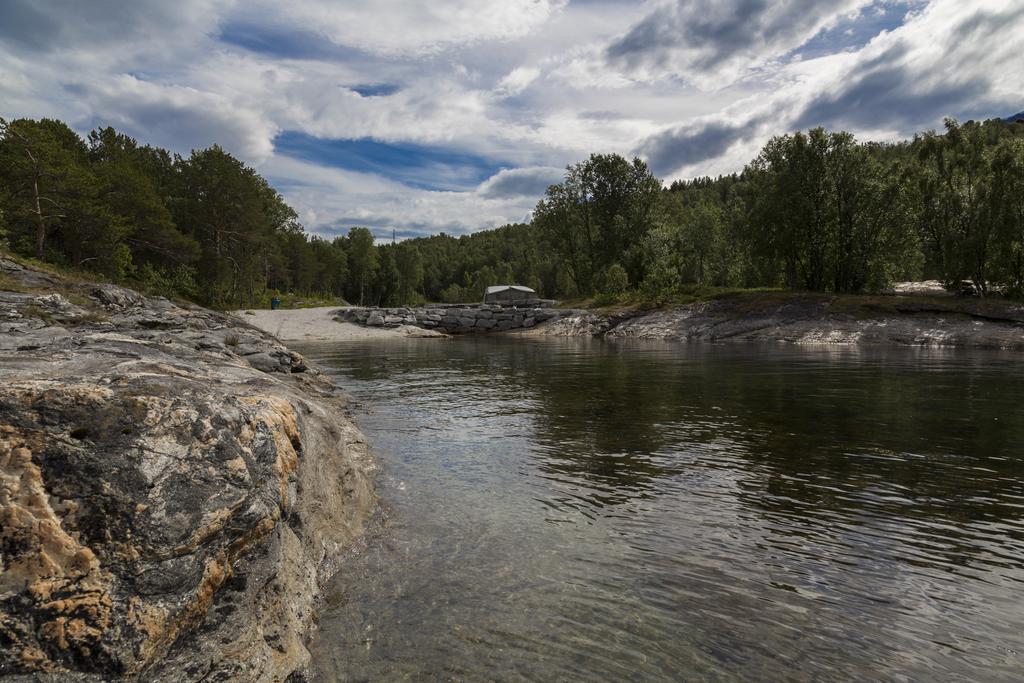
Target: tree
(1006,210)
(409,264)
(786,214)
(873,240)
(827,212)
(42,164)
(694,228)
(362,260)
(233,214)
(480,281)
(129,191)
(614,281)
(950,177)
(385,282)
(332,266)
(598,214)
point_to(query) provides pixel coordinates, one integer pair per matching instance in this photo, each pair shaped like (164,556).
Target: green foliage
(829,215)
(51,192)
(614,280)
(363,262)
(968,203)
(409,265)
(453,294)
(814,211)
(178,280)
(207,228)
(605,207)
(135,202)
(1006,211)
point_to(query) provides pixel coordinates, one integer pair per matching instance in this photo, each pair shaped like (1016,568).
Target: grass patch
(9,284)
(92,317)
(306,302)
(743,302)
(71,274)
(639,300)
(37,312)
(873,305)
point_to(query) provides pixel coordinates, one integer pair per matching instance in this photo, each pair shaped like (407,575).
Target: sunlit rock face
(174,486)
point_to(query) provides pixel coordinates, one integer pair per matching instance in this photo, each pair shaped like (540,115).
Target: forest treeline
(814,211)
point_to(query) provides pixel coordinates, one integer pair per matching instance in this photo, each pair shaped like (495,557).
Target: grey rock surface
(813,319)
(174,488)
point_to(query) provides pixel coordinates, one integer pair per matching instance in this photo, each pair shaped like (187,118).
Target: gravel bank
(319,324)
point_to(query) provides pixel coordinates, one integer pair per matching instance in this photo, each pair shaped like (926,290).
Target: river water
(583,510)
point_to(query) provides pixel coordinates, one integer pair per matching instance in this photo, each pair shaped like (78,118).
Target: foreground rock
(174,487)
(814,319)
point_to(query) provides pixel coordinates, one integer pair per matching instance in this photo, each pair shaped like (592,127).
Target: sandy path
(318,324)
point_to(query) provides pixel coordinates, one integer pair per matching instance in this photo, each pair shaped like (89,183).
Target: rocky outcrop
(449,319)
(174,487)
(813,319)
(584,324)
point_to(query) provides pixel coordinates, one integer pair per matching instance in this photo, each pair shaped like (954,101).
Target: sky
(414,118)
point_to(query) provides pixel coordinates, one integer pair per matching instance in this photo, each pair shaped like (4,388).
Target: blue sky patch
(852,34)
(382,229)
(425,167)
(285,43)
(375,89)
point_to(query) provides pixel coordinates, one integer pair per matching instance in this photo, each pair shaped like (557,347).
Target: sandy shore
(318,324)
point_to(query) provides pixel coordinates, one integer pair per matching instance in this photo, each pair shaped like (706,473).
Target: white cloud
(525,183)
(517,80)
(949,59)
(181,118)
(400,28)
(343,199)
(715,42)
(529,85)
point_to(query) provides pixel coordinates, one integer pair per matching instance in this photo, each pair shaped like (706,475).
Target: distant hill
(1016,117)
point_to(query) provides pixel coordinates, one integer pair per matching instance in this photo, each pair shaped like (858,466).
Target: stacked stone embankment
(455,319)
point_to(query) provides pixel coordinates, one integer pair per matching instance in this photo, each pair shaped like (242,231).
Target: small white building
(507,294)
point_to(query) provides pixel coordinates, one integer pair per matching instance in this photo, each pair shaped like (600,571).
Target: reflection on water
(581,510)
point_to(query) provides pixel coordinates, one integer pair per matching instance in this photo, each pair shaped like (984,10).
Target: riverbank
(800,318)
(175,487)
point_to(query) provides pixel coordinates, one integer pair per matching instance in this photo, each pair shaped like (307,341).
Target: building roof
(494,289)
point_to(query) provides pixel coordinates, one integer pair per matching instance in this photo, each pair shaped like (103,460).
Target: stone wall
(455,319)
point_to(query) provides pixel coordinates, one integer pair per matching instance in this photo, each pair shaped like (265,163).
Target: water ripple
(572,510)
